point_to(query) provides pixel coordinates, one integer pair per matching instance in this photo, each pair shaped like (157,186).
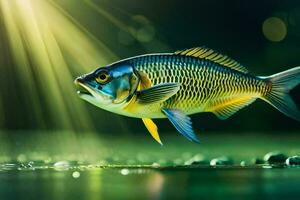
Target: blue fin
(182,123)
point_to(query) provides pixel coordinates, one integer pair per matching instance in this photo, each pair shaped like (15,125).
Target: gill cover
(121,82)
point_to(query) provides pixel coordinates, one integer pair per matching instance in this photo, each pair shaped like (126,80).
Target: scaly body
(203,84)
(175,85)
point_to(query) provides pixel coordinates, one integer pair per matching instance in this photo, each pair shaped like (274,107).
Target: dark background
(232,27)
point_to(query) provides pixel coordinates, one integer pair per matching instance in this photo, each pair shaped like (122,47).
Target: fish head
(108,87)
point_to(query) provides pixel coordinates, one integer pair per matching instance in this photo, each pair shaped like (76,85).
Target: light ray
(20,57)
(48,48)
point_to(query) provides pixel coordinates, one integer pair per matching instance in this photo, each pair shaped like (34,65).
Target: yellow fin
(152,128)
(224,108)
(214,56)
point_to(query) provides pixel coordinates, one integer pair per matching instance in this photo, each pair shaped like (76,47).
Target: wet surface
(102,168)
(136,182)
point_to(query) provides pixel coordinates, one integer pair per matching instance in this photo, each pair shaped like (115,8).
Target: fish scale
(202,81)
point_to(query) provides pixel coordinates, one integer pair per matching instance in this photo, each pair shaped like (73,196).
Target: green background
(39,95)
(54,145)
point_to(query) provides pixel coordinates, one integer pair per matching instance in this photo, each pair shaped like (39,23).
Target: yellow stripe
(219,105)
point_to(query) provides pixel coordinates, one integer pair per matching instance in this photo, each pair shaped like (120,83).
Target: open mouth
(83,89)
(80,92)
(86,92)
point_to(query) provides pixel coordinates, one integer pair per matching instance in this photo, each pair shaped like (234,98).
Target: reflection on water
(97,183)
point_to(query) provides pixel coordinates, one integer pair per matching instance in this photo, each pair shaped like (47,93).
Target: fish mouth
(88,93)
(83,90)
(80,93)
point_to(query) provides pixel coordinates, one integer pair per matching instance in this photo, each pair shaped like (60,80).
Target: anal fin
(225,107)
(182,123)
(152,128)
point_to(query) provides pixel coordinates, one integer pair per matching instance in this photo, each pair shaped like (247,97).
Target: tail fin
(279,96)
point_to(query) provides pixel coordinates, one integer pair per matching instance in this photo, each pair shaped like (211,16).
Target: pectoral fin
(182,123)
(152,128)
(157,93)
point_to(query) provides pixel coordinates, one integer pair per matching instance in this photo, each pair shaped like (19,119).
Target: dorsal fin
(214,56)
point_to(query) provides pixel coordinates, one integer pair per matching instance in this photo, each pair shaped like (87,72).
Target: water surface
(90,167)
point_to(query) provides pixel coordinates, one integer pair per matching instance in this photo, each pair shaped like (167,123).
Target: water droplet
(221,161)
(293,161)
(30,164)
(27,166)
(198,159)
(155,164)
(76,174)
(124,171)
(267,166)
(62,165)
(243,163)
(275,157)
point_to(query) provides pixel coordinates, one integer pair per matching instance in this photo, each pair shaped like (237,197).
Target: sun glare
(41,35)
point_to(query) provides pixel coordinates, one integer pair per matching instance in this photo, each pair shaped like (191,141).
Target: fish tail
(280,85)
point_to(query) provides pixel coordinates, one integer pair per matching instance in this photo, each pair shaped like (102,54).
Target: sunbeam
(48,48)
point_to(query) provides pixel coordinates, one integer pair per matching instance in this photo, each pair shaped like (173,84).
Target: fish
(176,85)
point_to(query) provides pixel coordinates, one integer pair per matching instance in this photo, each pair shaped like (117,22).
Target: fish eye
(102,77)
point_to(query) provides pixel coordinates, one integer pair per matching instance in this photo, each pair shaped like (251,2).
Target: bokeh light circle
(274,29)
